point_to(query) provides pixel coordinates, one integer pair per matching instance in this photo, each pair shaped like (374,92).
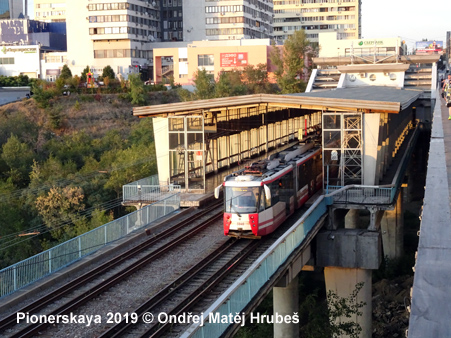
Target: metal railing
(240,293)
(151,180)
(148,193)
(360,194)
(30,270)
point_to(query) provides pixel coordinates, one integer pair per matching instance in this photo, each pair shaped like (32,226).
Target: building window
(6,61)
(205,60)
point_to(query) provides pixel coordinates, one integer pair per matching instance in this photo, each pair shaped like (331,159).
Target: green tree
(61,206)
(142,133)
(321,320)
(27,131)
(65,73)
(73,147)
(223,87)
(83,77)
(19,157)
(256,78)
(13,219)
(184,94)
(136,89)
(205,85)
(75,82)
(108,72)
(230,84)
(290,62)
(56,116)
(100,217)
(50,172)
(59,84)
(43,93)
(130,165)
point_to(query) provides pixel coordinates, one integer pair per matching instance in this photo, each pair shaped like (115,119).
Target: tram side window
(274,186)
(317,163)
(303,176)
(263,204)
(286,187)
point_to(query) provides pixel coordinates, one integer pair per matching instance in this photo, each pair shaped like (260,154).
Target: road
(9,94)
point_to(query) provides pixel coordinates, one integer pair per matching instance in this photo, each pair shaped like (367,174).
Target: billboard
(429,47)
(233,59)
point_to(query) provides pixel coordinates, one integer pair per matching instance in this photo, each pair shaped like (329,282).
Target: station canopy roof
(370,99)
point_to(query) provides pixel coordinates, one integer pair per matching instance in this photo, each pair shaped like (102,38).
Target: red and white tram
(258,198)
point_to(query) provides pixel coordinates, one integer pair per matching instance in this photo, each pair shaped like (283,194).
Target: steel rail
(86,296)
(171,289)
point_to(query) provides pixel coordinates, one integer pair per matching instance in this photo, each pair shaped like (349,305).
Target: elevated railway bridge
(368,129)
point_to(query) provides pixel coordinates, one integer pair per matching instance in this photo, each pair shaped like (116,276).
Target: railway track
(182,295)
(167,240)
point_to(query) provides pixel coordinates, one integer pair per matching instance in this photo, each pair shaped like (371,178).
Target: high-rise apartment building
(317,16)
(118,34)
(50,10)
(11,9)
(183,20)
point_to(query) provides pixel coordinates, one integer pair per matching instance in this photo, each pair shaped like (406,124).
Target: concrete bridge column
(392,227)
(352,219)
(343,281)
(286,302)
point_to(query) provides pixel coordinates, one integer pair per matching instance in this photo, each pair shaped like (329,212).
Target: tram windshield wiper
(232,206)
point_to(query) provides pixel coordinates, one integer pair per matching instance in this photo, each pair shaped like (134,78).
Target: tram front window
(241,199)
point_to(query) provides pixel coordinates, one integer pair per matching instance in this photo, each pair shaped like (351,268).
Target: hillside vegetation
(63,164)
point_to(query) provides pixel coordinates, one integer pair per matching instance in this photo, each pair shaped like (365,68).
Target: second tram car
(258,198)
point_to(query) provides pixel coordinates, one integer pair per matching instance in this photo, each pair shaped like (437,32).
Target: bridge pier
(392,228)
(343,281)
(286,302)
(352,219)
(348,256)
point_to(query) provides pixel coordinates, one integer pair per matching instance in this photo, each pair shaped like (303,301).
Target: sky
(413,20)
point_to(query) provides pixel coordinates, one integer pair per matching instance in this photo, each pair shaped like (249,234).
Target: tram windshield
(241,199)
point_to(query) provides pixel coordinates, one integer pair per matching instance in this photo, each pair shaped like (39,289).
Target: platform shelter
(360,129)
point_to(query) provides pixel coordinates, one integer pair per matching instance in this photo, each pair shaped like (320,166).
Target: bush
(86,98)
(16,81)
(55,115)
(43,93)
(108,72)
(65,73)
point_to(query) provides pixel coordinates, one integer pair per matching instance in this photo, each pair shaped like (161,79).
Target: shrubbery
(16,81)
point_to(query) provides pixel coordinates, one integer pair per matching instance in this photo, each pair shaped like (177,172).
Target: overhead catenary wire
(65,182)
(43,228)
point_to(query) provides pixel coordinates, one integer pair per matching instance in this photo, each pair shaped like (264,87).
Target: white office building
(118,34)
(216,20)
(318,16)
